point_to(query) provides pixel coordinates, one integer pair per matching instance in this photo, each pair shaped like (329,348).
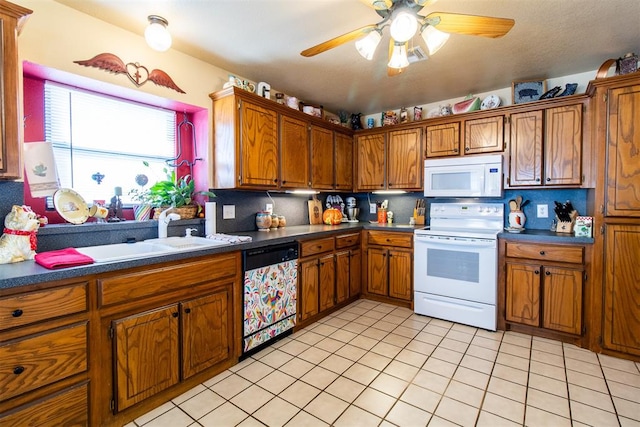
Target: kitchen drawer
(143,284)
(314,247)
(546,252)
(23,309)
(346,240)
(38,360)
(66,408)
(386,238)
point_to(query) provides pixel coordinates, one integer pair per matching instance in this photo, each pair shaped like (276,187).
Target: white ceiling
(261,40)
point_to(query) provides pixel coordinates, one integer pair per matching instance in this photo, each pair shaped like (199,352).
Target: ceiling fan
(403,20)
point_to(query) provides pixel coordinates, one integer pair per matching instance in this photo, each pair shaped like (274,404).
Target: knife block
(566,226)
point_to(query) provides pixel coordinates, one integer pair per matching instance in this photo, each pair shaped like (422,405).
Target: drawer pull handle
(17,312)
(541,252)
(18,370)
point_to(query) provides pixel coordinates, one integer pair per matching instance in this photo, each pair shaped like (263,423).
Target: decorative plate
(491,101)
(71,206)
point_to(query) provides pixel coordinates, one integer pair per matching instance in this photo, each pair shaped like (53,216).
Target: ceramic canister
(517,219)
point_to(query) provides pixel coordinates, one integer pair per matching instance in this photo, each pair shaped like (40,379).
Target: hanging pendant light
(156,34)
(399,58)
(366,46)
(434,38)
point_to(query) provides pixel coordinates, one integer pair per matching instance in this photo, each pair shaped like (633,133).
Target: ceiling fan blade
(337,41)
(472,25)
(424,3)
(378,4)
(390,70)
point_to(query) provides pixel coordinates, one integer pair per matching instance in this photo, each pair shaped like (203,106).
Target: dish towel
(62,258)
(229,238)
(40,168)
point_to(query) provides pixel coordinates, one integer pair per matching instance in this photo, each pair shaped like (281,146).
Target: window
(93,135)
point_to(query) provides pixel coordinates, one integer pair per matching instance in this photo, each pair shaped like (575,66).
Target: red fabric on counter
(62,258)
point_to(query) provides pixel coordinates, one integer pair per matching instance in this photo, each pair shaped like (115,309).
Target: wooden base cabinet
(543,287)
(621,321)
(389,265)
(44,355)
(329,274)
(166,328)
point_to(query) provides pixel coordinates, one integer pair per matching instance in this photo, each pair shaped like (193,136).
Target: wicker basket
(185,212)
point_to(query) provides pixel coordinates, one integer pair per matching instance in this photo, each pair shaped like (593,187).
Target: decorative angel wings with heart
(138,74)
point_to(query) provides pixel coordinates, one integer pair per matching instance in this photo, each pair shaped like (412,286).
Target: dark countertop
(29,273)
(545,236)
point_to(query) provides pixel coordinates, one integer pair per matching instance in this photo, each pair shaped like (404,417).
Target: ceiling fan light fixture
(403,27)
(399,58)
(434,38)
(367,45)
(156,34)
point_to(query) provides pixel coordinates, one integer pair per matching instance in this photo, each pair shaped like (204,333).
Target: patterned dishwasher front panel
(269,302)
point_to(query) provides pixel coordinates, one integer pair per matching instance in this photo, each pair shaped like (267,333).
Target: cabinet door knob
(18,370)
(187,310)
(455,150)
(466,148)
(541,252)
(547,273)
(548,179)
(17,312)
(284,182)
(537,179)
(176,314)
(537,272)
(390,184)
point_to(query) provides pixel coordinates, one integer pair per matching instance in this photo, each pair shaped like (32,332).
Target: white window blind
(93,133)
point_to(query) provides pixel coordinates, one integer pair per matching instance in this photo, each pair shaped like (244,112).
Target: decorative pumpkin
(332,216)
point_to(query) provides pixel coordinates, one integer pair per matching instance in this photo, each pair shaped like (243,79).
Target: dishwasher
(269,302)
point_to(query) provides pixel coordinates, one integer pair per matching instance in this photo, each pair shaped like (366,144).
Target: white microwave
(466,176)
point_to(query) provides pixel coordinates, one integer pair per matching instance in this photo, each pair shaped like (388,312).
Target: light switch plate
(269,207)
(542,211)
(372,208)
(228,211)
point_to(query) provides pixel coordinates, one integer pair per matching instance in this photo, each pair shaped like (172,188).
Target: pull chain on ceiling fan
(403,20)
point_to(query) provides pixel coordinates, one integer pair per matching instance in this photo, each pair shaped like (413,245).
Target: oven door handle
(444,243)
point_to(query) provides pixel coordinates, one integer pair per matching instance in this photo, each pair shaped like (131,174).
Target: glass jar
(263,220)
(274,221)
(282,221)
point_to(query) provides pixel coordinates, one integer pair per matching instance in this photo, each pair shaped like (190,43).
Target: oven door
(456,267)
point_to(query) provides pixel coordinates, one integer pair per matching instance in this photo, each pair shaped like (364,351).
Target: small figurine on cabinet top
(356,121)
(417,113)
(404,115)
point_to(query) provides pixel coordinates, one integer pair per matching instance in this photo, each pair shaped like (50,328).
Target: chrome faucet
(163,222)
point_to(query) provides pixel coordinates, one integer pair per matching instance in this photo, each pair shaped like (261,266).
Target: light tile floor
(373,364)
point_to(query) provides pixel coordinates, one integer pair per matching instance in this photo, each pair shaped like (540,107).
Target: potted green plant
(176,193)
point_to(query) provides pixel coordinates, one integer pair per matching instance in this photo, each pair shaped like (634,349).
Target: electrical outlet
(373,208)
(228,211)
(269,208)
(543,211)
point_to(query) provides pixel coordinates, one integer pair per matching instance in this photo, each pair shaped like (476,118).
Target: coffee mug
(98,211)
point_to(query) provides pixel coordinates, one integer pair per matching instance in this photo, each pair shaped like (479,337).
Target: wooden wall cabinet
(543,287)
(390,160)
(467,136)
(294,153)
(44,349)
(329,274)
(546,147)
(389,265)
(12,18)
(261,145)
